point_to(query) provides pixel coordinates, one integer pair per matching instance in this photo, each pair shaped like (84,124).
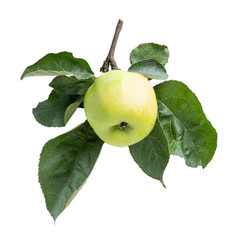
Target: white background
(119,201)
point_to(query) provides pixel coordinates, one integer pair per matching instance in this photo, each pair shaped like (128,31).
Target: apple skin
(121,107)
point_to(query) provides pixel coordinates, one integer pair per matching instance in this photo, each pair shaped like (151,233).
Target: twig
(110,57)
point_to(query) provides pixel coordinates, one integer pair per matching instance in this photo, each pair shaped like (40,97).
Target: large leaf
(152,154)
(146,51)
(65,163)
(57,109)
(189,133)
(55,64)
(150,69)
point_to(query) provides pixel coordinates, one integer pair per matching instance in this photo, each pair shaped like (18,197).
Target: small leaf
(55,64)
(146,51)
(152,154)
(150,69)
(65,163)
(55,111)
(71,85)
(67,96)
(189,133)
(71,109)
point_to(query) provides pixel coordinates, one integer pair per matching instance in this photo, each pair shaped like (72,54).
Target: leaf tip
(54,219)
(22,76)
(163,184)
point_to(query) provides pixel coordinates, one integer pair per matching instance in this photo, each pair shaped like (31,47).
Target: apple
(121,107)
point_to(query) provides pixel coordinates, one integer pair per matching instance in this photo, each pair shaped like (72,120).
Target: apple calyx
(123,125)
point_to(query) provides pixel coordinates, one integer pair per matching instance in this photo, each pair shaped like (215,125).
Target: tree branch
(110,57)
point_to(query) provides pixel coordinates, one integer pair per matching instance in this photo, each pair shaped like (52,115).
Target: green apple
(121,107)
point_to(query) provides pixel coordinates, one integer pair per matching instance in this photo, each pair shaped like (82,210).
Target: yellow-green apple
(121,107)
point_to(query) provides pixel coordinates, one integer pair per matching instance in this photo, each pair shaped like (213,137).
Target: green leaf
(71,109)
(57,109)
(150,69)
(152,154)
(189,133)
(55,64)
(146,51)
(71,85)
(67,96)
(65,163)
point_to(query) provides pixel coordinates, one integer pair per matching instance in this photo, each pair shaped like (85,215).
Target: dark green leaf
(150,69)
(65,163)
(152,154)
(57,109)
(55,64)
(70,85)
(189,133)
(146,51)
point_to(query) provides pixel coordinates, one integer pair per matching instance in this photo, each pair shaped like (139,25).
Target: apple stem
(110,57)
